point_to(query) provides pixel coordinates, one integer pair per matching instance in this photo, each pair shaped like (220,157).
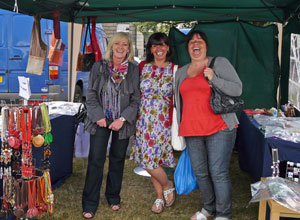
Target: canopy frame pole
(71,61)
(83,5)
(279,20)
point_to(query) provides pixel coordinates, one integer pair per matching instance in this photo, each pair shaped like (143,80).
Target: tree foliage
(147,28)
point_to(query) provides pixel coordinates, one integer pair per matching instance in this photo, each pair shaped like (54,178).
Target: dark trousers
(94,175)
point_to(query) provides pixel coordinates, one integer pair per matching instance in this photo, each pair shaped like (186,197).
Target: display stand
(27,190)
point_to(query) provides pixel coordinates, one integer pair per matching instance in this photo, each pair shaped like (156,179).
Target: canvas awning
(159,10)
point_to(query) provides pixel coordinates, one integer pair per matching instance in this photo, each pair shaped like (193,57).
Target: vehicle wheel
(78,94)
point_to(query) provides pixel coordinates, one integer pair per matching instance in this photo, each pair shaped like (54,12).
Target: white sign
(123,28)
(24,87)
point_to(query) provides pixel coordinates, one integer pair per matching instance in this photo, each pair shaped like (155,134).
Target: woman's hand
(116,125)
(208,73)
(101,122)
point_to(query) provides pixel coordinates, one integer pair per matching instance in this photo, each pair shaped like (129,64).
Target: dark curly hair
(158,39)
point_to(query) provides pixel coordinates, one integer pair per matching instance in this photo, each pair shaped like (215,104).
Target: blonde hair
(117,38)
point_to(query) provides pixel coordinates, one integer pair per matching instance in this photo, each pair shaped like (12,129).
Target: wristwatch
(122,119)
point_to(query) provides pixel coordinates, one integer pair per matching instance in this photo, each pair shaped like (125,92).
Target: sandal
(166,193)
(158,206)
(115,207)
(88,215)
(200,216)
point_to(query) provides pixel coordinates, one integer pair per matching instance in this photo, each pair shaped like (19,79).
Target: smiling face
(159,51)
(197,48)
(120,49)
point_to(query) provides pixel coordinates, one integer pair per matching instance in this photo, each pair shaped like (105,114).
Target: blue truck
(15,34)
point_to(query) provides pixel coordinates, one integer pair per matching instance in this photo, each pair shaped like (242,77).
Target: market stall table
(255,150)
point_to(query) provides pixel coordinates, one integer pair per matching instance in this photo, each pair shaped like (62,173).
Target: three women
(113,100)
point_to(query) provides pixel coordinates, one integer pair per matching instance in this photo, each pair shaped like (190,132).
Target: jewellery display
(27,192)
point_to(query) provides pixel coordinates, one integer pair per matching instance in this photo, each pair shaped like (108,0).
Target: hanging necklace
(37,129)
(32,210)
(47,136)
(6,151)
(26,144)
(48,193)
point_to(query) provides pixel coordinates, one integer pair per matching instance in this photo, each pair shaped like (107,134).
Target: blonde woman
(113,98)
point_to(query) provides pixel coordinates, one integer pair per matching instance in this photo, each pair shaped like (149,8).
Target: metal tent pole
(71,63)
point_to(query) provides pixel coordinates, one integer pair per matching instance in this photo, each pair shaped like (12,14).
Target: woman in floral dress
(153,135)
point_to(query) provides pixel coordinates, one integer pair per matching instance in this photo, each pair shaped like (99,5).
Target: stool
(276,210)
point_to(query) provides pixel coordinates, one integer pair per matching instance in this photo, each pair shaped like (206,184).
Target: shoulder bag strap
(174,74)
(212,62)
(82,28)
(86,33)
(211,65)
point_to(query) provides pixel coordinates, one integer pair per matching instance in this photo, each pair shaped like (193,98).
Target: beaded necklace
(6,150)
(47,136)
(16,151)
(26,144)
(48,193)
(14,134)
(32,210)
(37,129)
(40,198)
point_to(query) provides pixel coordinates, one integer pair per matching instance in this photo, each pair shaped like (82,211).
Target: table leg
(274,215)
(262,210)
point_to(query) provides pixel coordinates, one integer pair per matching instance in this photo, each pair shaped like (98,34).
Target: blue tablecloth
(255,150)
(62,147)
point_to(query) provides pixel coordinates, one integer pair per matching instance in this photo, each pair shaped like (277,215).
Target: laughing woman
(153,135)
(210,137)
(113,98)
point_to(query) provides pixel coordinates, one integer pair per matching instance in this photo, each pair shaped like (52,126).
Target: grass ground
(137,197)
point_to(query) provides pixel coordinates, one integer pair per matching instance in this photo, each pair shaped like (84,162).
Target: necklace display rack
(27,190)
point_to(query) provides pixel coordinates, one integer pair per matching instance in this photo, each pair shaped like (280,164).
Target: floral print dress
(153,133)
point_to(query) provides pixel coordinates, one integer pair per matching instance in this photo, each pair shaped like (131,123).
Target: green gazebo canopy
(159,10)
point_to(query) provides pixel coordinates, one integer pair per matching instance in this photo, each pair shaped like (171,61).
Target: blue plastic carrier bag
(185,180)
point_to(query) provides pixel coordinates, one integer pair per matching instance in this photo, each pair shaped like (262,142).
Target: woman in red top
(210,137)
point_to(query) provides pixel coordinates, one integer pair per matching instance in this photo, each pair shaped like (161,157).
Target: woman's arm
(94,108)
(226,78)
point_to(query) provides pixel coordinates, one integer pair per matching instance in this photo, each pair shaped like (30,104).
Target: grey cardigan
(130,98)
(225,78)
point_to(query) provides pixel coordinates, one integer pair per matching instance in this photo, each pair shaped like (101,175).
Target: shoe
(88,215)
(166,193)
(158,206)
(200,216)
(115,207)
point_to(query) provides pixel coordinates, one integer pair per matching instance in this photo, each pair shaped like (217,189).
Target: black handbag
(88,59)
(81,114)
(222,103)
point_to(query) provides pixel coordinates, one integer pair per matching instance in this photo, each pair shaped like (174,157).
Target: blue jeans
(210,158)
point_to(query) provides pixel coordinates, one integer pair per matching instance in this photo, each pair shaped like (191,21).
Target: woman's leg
(94,175)
(220,147)
(158,188)
(198,155)
(160,176)
(117,156)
